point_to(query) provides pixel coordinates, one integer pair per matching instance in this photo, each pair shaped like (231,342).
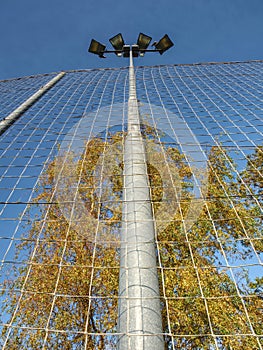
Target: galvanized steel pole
(140,321)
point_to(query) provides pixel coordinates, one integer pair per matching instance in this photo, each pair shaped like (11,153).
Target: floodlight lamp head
(117,42)
(97,48)
(126,50)
(135,50)
(143,42)
(163,44)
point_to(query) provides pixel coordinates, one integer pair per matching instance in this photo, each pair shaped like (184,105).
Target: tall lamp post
(139,312)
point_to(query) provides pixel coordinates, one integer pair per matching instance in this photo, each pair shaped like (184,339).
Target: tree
(69,283)
(65,262)
(201,295)
(253,175)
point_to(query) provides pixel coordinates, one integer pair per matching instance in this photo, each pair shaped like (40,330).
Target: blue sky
(53,35)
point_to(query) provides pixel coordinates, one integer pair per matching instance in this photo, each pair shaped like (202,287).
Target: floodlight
(143,41)
(117,42)
(135,50)
(138,49)
(126,50)
(163,44)
(97,48)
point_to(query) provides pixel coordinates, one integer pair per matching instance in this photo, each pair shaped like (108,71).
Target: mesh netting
(61,196)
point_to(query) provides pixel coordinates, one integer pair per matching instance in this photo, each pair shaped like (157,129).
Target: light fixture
(135,50)
(117,42)
(126,50)
(143,42)
(138,49)
(163,44)
(97,48)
